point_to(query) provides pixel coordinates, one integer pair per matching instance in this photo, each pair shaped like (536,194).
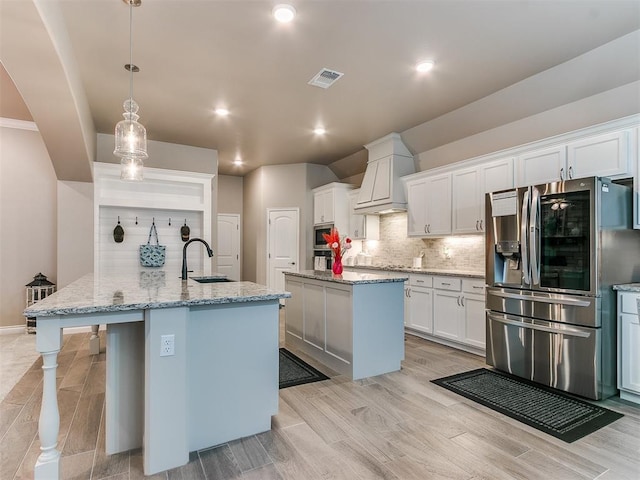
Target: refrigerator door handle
(524,248)
(533,298)
(534,231)
(568,331)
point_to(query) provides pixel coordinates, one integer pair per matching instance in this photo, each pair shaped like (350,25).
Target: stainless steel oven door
(561,356)
(555,307)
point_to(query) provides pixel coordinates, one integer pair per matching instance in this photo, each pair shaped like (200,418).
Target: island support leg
(49,342)
(94,341)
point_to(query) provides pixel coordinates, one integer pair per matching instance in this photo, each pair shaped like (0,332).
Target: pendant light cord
(130,51)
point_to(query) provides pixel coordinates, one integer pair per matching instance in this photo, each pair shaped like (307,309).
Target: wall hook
(118,219)
(136,220)
(153,220)
(169,221)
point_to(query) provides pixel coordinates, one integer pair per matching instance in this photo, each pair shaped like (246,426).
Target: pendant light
(131,136)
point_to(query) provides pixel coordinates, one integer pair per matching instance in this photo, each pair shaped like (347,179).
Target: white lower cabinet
(448,309)
(628,346)
(339,339)
(418,311)
(313,308)
(447,315)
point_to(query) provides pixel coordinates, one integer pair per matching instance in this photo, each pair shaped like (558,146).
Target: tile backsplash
(461,252)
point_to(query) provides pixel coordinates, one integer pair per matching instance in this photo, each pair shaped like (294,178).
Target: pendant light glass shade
(131,136)
(131,169)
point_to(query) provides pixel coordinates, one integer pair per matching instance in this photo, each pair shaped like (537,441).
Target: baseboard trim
(17,329)
(13,330)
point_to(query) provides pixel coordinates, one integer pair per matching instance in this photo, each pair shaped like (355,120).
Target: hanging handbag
(152,255)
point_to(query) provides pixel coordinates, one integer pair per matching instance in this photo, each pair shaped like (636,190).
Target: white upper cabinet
(605,155)
(542,166)
(331,205)
(469,187)
(323,207)
(429,206)
(635,153)
(362,227)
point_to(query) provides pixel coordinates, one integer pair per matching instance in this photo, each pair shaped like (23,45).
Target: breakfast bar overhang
(220,383)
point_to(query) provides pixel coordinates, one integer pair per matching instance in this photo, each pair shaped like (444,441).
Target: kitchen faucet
(184,254)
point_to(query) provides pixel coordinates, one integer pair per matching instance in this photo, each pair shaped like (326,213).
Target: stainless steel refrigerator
(553,253)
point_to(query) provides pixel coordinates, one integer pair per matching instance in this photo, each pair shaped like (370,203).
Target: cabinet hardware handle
(429,228)
(458,300)
(292,263)
(481,225)
(562,173)
(477,222)
(419,281)
(571,171)
(479,288)
(425,229)
(444,283)
(462,301)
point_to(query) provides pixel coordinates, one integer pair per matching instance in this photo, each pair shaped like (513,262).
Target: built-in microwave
(319,243)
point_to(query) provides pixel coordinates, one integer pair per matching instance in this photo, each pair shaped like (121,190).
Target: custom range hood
(382,191)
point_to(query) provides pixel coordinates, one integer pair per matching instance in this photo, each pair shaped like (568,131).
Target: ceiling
(195,56)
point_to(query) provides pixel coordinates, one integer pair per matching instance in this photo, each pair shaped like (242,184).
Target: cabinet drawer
(447,283)
(420,280)
(473,285)
(629,302)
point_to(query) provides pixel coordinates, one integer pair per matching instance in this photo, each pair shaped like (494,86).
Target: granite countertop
(144,290)
(351,278)
(628,287)
(425,271)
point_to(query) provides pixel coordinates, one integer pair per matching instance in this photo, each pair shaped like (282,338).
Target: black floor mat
(548,410)
(294,371)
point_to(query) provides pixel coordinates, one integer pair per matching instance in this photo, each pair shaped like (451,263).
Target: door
(229,245)
(562,245)
(282,244)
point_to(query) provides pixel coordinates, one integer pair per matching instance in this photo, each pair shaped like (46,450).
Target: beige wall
(28,241)
(75,231)
(279,186)
(230,194)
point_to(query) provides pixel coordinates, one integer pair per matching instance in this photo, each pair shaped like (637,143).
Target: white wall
(28,240)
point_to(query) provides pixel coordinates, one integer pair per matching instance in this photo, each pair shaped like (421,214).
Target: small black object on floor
(294,371)
(548,410)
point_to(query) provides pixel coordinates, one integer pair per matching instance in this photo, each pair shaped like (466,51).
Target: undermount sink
(211,279)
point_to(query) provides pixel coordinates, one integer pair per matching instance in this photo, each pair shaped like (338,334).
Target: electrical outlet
(167,345)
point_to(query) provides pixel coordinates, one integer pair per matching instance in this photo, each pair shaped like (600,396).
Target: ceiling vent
(325,78)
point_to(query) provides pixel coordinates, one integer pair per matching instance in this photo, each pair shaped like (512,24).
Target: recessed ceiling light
(223,112)
(283,13)
(319,131)
(425,66)
(238,160)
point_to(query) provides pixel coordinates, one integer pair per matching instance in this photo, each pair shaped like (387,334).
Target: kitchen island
(352,323)
(189,365)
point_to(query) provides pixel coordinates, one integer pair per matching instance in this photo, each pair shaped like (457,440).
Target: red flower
(334,243)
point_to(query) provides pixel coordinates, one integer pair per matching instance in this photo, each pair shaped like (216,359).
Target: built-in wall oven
(553,253)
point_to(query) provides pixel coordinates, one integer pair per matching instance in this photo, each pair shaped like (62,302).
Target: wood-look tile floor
(394,426)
